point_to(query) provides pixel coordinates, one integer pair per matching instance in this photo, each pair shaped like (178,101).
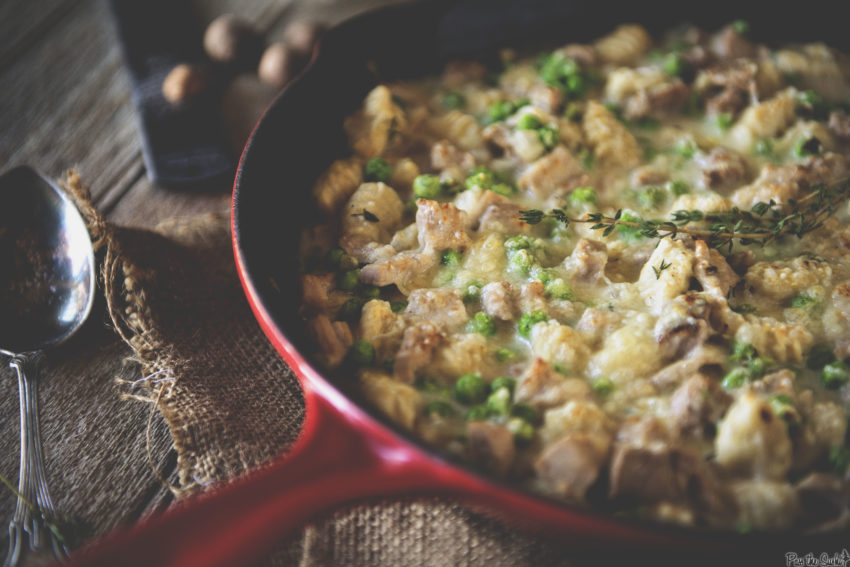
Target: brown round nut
(276,65)
(184,83)
(230,39)
(301,35)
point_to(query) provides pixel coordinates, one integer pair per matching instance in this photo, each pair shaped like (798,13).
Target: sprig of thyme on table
(762,224)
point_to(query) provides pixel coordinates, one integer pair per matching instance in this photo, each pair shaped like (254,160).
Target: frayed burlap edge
(127,308)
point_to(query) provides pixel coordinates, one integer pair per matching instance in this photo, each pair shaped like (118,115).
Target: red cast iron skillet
(346,452)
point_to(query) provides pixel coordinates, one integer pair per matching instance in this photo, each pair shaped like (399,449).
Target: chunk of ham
(399,269)
(715,276)
(497,300)
(491,444)
(571,465)
(333,338)
(649,468)
(543,387)
(418,345)
(723,168)
(440,226)
(315,289)
(697,405)
(556,172)
(442,307)
(587,261)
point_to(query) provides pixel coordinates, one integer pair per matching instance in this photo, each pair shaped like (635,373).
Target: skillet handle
(332,463)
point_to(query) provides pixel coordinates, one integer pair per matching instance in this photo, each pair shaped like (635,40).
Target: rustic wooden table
(65,102)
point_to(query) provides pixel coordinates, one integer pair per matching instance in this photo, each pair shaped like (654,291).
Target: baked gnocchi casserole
(615,273)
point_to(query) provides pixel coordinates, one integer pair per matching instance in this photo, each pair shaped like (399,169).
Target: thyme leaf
(367,215)
(660,268)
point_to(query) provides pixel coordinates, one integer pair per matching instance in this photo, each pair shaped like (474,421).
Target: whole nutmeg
(301,36)
(277,65)
(230,39)
(184,83)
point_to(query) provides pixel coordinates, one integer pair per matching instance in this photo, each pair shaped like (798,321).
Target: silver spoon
(46,292)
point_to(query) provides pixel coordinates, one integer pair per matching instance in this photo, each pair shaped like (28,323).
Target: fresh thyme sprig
(762,224)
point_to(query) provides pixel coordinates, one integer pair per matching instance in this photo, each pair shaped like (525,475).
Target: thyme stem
(763,223)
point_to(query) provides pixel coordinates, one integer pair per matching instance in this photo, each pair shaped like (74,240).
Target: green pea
(453,101)
(572,112)
(528,320)
(427,186)
(548,136)
(440,408)
(470,389)
(629,233)
(503,382)
(835,374)
(559,289)
(675,65)
(520,262)
(483,324)
(369,291)
(349,280)
(334,256)
(351,310)
(758,366)
(741,27)
(810,99)
(686,148)
(472,293)
(539,273)
(724,120)
(477,413)
(361,353)
(651,197)
(819,356)
(805,147)
(582,196)
(678,187)
(451,258)
(499,402)
(377,169)
(503,189)
(398,306)
(505,355)
(528,122)
(763,147)
(483,177)
(736,378)
(804,301)
(526,412)
(742,351)
(347,263)
(518,242)
(500,110)
(602,386)
(522,430)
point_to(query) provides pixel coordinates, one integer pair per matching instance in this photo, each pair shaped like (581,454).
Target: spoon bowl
(47,287)
(46,264)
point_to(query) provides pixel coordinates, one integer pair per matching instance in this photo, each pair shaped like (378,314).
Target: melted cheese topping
(594,365)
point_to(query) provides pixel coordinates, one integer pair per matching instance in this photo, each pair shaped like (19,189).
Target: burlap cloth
(232,404)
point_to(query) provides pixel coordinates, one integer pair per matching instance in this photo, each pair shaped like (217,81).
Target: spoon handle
(34,512)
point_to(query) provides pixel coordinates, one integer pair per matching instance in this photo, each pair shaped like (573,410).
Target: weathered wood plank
(23,23)
(66,102)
